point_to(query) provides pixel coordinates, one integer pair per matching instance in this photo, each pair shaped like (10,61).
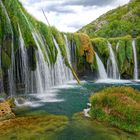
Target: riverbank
(119,106)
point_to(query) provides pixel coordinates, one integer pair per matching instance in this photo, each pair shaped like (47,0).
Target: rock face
(5,111)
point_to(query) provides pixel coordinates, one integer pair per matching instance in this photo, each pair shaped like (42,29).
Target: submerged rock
(35,127)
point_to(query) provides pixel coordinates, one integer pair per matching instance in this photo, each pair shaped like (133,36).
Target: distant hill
(118,22)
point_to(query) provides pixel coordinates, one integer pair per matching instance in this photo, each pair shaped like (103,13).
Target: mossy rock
(100,46)
(6,60)
(5,111)
(119,106)
(35,127)
(83,52)
(83,46)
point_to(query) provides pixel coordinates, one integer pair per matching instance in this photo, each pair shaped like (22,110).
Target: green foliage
(129,51)
(61,44)
(125,57)
(60,40)
(119,106)
(124,54)
(138,44)
(94,65)
(100,46)
(118,22)
(6,61)
(121,56)
(18,17)
(46,32)
(76,39)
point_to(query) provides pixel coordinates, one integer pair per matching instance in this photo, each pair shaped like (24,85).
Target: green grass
(119,106)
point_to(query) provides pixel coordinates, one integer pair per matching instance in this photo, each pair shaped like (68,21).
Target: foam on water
(113,81)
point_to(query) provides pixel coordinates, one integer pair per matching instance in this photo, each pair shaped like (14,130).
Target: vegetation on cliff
(83,52)
(16,19)
(118,22)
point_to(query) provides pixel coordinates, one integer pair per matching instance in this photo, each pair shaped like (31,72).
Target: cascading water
(61,72)
(112,67)
(117,46)
(42,73)
(46,76)
(101,68)
(40,78)
(68,71)
(22,66)
(11,71)
(135,60)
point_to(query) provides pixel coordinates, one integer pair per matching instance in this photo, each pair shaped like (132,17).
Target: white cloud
(67,16)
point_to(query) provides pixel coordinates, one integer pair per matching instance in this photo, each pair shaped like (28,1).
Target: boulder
(5,111)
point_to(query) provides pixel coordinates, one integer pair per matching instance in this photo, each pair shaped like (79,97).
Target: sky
(70,15)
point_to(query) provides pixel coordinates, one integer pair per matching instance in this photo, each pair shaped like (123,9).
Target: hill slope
(118,22)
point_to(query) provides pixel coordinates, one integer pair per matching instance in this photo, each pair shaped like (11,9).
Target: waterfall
(23,74)
(101,68)
(117,46)
(11,72)
(61,72)
(46,76)
(112,68)
(42,73)
(135,60)
(40,78)
(68,51)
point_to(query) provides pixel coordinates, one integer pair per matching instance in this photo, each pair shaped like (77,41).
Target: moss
(83,45)
(94,65)
(121,56)
(17,18)
(138,44)
(40,127)
(129,51)
(122,38)
(83,51)
(119,106)
(46,32)
(124,54)
(6,60)
(86,48)
(100,46)
(60,40)
(99,130)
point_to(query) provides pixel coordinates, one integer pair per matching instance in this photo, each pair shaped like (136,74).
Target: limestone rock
(5,111)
